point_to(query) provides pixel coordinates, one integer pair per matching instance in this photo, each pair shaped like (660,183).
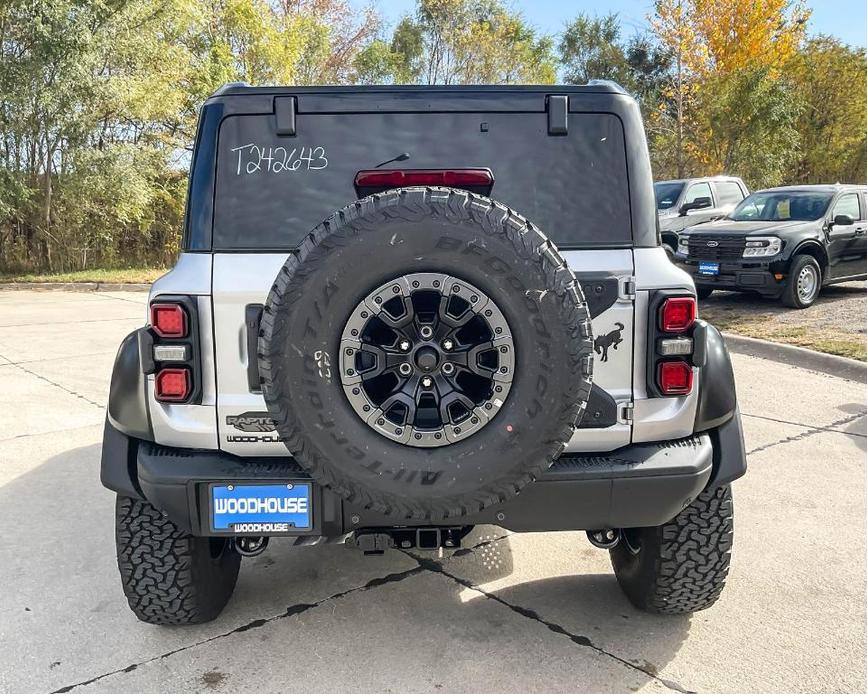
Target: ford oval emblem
(712,244)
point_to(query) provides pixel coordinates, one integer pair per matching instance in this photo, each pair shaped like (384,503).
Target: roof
(593,87)
(719,177)
(815,188)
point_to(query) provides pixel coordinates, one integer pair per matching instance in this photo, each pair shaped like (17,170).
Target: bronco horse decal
(611,339)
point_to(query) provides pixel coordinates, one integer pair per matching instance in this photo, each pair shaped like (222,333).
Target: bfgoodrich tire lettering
(425,230)
(169,576)
(681,566)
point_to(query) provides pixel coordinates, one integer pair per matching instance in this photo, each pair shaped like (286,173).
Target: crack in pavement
(809,426)
(118,298)
(423,564)
(807,434)
(63,358)
(53,431)
(578,639)
(253,624)
(56,385)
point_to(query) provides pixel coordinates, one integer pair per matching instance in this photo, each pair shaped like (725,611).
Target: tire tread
(458,207)
(166,574)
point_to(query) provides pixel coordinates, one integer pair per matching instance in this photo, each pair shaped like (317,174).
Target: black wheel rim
(427,359)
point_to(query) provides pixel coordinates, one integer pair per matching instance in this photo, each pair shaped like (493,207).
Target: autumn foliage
(100,97)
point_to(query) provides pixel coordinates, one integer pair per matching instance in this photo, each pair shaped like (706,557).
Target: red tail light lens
(678,314)
(172,385)
(169,320)
(674,377)
(399,178)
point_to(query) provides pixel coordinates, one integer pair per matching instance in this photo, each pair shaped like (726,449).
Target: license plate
(709,268)
(261,508)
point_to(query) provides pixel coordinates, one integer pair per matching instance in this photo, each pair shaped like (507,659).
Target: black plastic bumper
(640,485)
(754,277)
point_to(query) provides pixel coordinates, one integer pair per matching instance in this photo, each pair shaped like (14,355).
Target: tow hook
(604,539)
(250,546)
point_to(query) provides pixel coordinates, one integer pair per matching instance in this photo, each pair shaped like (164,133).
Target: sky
(843,19)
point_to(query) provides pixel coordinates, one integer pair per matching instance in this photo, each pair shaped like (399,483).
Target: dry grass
(834,325)
(122,276)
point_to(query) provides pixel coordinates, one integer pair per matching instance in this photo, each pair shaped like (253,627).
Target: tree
(721,48)
(470,42)
(100,102)
(750,117)
(746,34)
(673,25)
(829,81)
(591,48)
(648,65)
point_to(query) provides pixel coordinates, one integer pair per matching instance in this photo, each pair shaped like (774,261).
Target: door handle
(860,231)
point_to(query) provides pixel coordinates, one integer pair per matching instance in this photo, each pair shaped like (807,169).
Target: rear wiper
(403,156)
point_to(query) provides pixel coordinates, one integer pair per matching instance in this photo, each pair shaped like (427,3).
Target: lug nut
(427,381)
(404,345)
(405,369)
(448,344)
(448,368)
(426,331)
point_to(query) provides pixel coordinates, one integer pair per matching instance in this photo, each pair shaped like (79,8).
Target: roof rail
(229,85)
(614,86)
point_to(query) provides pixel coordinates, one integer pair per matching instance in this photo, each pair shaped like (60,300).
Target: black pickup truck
(784,243)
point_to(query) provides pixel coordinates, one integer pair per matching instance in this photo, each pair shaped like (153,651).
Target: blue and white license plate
(709,268)
(261,508)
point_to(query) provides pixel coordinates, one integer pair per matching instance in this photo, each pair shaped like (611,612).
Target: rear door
(272,189)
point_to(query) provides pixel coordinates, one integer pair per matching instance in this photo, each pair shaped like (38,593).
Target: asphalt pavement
(517,613)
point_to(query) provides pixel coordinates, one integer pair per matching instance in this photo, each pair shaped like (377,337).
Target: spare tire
(425,353)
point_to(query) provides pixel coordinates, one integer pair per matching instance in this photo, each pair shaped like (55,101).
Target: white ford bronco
(403,312)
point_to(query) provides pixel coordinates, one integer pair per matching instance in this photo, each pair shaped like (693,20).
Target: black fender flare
(717,409)
(127,418)
(127,405)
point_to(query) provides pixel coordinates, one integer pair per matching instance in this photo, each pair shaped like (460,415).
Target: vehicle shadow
(61,582)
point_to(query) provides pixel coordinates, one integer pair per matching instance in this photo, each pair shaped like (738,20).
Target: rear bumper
(640,485)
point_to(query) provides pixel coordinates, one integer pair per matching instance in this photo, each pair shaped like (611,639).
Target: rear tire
(703,292)
(803,283)
(169,576)
(680,566)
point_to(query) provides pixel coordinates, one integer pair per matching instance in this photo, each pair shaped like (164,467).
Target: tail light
(377,180)
(171,351)
(169,320)
(675,377)
(677,314)
(172,384)
(671,348)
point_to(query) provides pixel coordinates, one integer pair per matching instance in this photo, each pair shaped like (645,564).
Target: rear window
(272,190)
(728,192)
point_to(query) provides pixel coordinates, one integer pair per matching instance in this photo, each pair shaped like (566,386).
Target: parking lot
(520,613)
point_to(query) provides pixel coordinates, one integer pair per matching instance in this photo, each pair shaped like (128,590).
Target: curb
(76,286)
(842,367)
